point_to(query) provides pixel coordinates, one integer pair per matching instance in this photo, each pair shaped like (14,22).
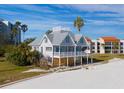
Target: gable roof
(57,37)
(37,41)
(77,37)
(88,39)
(110,39)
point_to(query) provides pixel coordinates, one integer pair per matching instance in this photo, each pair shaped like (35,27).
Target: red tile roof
(110,39)
(88,39)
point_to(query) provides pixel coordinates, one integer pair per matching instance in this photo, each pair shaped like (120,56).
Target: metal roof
(37,41)
(56,37)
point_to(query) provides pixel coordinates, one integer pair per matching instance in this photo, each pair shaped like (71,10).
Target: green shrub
(6,49)
(36,57)
(18,59)
(23,56)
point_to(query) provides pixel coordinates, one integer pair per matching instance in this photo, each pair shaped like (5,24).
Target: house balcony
(69,54)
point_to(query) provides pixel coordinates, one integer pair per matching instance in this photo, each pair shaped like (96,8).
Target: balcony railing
(69,53)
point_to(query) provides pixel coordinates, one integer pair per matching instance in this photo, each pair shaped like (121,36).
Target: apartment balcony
(69,54)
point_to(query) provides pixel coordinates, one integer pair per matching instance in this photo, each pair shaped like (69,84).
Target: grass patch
(104,57)
(10,72)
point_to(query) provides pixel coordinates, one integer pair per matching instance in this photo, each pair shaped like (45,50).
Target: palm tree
(14,34)
(24,28)
(18,26)
(78,23)
(18,23)
(16,31)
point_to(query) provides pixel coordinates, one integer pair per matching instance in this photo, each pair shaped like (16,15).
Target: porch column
(91,59)
(119,48)
(53,56)
(81,55)
(81,60)
(111,48)
(67,56)
(59,56)
(74,55)
(87,59)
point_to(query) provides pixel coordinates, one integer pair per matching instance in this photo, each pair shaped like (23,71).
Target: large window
(107,43)
(49,49)
(56,49)
(67,39)
(107,47)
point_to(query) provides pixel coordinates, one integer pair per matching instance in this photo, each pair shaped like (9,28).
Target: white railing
(69,54)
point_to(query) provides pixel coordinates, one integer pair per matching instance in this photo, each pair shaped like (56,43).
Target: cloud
(40,18)
(117,21)
(8,12)
(43,25)
(34,8)
(98,9)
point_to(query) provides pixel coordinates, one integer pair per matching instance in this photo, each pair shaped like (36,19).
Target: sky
(100,20)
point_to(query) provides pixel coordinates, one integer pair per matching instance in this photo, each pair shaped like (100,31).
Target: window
(56,48)
(107,43)
(98,47)
(34,48)
(93,47)
(67,39)
(121,47)
(121,43)
(107,51)
(107,47)
(45,40)
(48,48)
(98,43)
(93,43)
(41,49)
(98,51)
(84,48)
(121,51)
(93,51)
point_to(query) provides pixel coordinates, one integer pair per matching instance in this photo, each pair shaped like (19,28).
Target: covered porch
(69,51)
(69,55)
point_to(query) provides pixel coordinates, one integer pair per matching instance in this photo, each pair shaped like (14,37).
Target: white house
(62,47)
